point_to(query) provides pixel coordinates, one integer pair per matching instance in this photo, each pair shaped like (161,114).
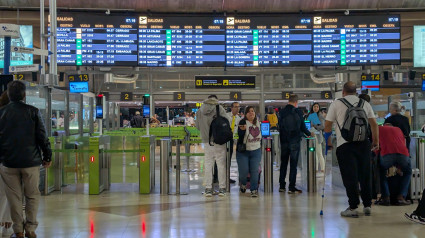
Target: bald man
(353,157)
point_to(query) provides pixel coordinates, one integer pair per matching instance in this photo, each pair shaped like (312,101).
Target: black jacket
(22,136)
(137,122)
(401,122)
(303,129)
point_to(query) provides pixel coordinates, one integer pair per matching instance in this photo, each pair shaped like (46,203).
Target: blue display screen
(423,85)
(265,128)
(371,85)
(308,124)
(99,111)
(79,87)
(146,111)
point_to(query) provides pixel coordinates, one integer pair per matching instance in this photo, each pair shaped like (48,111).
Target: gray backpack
(355,126)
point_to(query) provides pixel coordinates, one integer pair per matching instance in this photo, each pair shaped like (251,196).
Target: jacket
(137,122)
(23,136)
(303,129)
(205,115)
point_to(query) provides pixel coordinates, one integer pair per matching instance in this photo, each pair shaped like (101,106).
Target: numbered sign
(371,77)
(285,95)
(19,77)
(326,95)
(423,76)
(179,96)
(126,96)
(237,96)
(78,78)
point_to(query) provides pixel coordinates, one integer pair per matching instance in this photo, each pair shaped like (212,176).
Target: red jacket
(392,141)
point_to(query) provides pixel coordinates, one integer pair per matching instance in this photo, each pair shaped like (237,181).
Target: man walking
(24,146)
(213,152)
(353,155)
(292,127)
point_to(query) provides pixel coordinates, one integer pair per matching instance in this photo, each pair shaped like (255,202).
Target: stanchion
(228,163)
(164,165)
(311,165)
(268,165)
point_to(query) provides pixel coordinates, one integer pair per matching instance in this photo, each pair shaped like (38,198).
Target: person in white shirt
(249,159)
(353,157)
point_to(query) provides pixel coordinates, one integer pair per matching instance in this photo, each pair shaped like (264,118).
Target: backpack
(220,129)
(272,118)
(290,126)
(355,126)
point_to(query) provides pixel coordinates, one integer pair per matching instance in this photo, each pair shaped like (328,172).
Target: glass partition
(74,109)
(37,96)
(86,114)
(58,110)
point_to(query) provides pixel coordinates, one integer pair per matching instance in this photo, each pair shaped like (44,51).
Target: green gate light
(312,149)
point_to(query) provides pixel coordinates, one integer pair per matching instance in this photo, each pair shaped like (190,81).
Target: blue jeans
(249,162)
(289,152)
(398,160)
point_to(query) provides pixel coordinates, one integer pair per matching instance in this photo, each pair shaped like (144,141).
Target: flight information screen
(356,40)
(268,41)
(91,39)
(181,41)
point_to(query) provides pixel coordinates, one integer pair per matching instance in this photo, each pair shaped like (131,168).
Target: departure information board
(93,39)
(268,41)
(356,40)
(181,41)
(89,39)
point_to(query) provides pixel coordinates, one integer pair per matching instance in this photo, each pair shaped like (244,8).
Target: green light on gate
(147,95)
(311,149)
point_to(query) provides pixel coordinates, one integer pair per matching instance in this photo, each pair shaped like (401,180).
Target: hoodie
(205,115)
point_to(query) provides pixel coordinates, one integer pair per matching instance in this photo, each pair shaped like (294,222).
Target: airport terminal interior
(119,85)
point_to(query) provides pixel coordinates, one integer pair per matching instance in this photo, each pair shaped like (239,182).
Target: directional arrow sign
(24,68)
(33,51)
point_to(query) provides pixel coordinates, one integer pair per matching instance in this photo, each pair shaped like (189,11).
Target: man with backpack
(213,123)
(353,116)
(292,127)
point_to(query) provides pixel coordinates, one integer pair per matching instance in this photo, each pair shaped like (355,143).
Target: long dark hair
(4,99)
(247,110)
(311,109)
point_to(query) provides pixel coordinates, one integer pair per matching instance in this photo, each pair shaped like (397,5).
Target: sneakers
(402,202)
(415,218)
(254,193)
(282,190)
(367,211)
(350,213)
(208,192)
(242,188)
(17,235)
(384,202)
(222,192)
(294,190)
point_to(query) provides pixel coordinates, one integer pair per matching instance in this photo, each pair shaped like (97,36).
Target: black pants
(354,164)
(290,152)
(420,210)
(215,176)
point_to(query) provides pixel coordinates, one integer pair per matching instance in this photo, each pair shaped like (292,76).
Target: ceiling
(223,5)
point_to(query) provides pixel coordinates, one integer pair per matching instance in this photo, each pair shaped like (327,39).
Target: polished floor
(121,212)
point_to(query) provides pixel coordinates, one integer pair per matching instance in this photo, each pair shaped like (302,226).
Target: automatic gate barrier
(147,164)
(311,165)
(268,164)
(99,165)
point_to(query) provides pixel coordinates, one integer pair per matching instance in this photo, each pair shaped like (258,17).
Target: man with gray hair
(398,120)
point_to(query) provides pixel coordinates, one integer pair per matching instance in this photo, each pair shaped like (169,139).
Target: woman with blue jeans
(248,153)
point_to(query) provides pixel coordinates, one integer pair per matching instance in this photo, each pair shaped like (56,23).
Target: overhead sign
(285,95)
(24,68)
(179,96)
(9,30)
(371,77)
(126,96)
(423,76)
(78,78)
(225,82)
(19,77)
(237,96)
(33,51)
(326,95)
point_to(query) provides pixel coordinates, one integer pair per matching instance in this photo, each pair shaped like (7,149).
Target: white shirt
(237,120)
(252,136)
(336,113)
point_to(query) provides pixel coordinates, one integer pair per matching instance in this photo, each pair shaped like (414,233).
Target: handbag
(241,147)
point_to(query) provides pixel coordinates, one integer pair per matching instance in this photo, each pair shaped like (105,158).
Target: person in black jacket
(400,121)
(292,127)
(24,146)
(137,121)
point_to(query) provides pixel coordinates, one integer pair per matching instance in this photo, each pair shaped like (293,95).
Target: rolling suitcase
(415,185)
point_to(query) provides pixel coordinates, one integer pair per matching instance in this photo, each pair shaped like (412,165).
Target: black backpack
(290,126)
(356,125)
(220,129)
